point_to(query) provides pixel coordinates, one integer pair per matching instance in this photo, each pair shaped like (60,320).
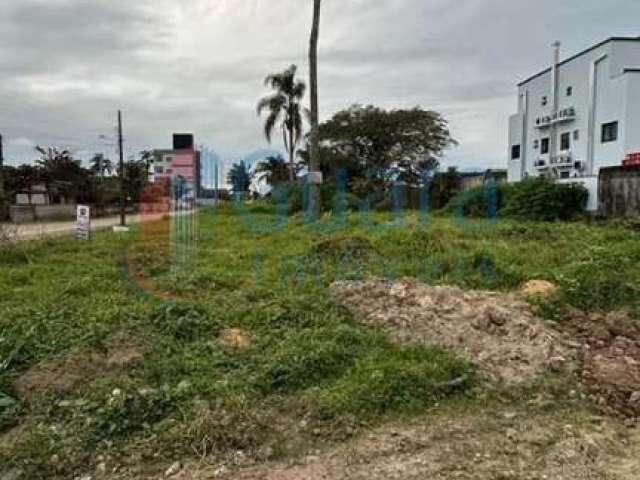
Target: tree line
(96,184)
(369,148)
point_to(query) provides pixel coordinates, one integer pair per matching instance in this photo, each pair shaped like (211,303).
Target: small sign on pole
(83,222)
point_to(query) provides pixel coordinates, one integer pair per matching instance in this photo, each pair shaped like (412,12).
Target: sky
(67,66)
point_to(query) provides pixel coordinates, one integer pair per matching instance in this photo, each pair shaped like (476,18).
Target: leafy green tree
(284,110)
(136,178)
(382,146)
(240,177)
(444,186)
(274,170)
(20,178)
(60,168)
(100,165)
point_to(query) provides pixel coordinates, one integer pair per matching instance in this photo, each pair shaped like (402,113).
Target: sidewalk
(34,231)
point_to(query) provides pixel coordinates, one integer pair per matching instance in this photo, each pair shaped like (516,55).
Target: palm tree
(314,157)
(274,170)
(100,165)
(240,177)
(285,110)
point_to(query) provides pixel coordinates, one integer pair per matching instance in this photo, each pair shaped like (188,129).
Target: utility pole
(3,198)
(123,221)
(1,172)
(314,177)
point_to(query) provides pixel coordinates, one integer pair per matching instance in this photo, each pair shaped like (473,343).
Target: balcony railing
(562,160)
(564,115)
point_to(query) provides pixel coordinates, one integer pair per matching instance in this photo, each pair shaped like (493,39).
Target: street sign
(83,222)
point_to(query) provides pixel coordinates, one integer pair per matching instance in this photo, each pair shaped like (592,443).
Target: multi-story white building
(578,116)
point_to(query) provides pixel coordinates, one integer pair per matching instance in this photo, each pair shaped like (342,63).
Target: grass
(308,363)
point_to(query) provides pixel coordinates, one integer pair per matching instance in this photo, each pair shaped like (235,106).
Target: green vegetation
(539,199)
(308,372)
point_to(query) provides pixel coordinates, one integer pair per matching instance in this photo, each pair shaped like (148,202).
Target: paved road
(32,231)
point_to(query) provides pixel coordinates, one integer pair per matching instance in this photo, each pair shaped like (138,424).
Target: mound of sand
(496,331)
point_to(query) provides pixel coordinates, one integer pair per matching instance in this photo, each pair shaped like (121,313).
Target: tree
(274,170)
(60,168)
(444,186)
(314,158)
(100,165)
(147,157)
(284,109)
(136,177)
(240,177)
(383,146)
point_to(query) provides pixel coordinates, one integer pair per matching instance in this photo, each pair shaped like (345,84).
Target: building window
(545,100)
(569,91)
(158,169)
(536,144)
(515,152)
(609,132)
(565,141)
(564,174)
(576,135)
(544,146)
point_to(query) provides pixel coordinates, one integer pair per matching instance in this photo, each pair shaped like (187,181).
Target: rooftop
(608,40)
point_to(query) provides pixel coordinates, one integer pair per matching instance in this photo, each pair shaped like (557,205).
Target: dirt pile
(610,360)
(539,288)
(62,374)
(499,332)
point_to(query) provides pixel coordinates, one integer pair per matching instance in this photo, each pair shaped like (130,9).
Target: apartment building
(183,160)
(578,116)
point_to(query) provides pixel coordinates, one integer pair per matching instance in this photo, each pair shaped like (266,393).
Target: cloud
(67,66)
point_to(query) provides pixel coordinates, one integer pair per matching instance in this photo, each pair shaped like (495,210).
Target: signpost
(83,222)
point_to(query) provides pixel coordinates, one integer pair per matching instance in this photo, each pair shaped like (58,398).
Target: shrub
(486,201)
(292,198)
(531,199)
(543,199)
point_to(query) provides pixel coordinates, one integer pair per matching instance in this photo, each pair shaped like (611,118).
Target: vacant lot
(269,347)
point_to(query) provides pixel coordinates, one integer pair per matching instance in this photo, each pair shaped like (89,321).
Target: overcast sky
(198,66)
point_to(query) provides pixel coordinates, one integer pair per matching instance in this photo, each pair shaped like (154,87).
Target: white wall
(632,115)
(610,107)
(515,138)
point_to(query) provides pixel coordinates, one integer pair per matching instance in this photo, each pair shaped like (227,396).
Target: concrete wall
(619,192)
(22,213)
(55,212)
(31,213)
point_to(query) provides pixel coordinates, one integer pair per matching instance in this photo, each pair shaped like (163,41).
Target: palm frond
(270,124)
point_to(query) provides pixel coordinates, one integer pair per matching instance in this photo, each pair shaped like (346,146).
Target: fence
(619,192)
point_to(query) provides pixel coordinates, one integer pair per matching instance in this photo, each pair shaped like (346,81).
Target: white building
(578,116)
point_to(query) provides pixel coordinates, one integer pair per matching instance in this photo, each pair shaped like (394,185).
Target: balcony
(563,116)
(564,160)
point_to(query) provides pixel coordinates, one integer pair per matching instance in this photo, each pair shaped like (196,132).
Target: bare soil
(62,374)
(504,337)
(493,445)
(610,360)
(498,332)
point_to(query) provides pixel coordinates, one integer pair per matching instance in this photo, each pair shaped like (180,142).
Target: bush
(537,199)
(486,201)
(292,198)
(543,199)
